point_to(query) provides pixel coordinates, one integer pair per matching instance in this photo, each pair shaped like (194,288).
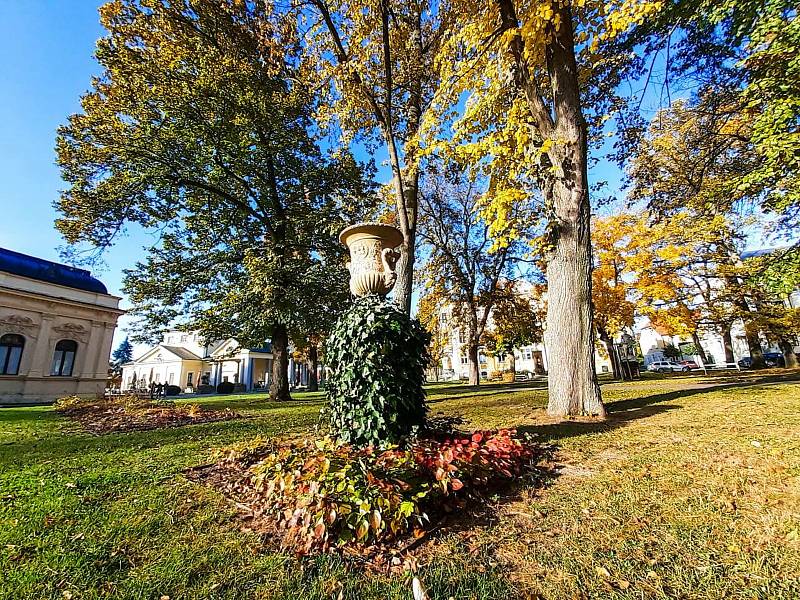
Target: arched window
(11,346)
(64,358)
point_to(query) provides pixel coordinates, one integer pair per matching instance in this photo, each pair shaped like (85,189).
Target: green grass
(685,491)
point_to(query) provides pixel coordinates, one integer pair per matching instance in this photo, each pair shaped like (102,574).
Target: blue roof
(51,272)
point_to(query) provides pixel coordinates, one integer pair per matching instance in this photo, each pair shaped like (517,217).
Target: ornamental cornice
(19,324)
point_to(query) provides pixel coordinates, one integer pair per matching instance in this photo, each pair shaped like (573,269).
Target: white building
(182,359)
(56,328)
(531,358)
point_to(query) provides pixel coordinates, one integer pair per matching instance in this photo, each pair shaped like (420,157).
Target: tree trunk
(512,361)
(727,342)
(789,357)
(754,345)
(474,368)
(279,387)
(404,286)
(313,361)
(572,381)
(699,346)
(616,367)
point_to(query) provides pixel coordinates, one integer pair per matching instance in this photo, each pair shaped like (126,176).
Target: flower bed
(322,496)
(116,415)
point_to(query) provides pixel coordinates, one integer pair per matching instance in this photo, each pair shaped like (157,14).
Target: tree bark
(404,286)
(789,357)
(313,361)
(474,368)
(512,361)
(616,367)
(727,343)
(754,345)
(699,346)
(572,381)
(279,387)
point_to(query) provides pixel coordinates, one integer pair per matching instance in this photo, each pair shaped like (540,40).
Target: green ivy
(377,356)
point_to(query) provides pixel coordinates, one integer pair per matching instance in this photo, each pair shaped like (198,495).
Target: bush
(377,358)
(494,375)
(327,495)
(509,376)
(173,390)
(226,387)
(68,402)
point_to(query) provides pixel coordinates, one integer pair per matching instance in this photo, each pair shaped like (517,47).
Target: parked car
(771,359)
(689,365)
(774,359)
(665,366)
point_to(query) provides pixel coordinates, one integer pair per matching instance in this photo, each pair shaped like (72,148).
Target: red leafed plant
(326,495)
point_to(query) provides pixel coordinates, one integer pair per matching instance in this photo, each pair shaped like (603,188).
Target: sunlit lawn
(683,492)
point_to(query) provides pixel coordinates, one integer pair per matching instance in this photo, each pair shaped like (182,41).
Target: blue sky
(46,64)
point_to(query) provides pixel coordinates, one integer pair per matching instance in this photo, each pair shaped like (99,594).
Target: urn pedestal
(373,257)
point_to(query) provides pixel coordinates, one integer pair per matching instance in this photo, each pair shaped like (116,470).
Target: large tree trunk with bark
(572,382)
(279,387)
(754,345)
(404,286)
(474,368)
(789,357)
(727,343)
(616,367)
(313,361)
(700,351)
(512,361)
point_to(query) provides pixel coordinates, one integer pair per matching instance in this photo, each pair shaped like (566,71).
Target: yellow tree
(375,61)
(524,122)
(687,168)
(616,242)
(430,308)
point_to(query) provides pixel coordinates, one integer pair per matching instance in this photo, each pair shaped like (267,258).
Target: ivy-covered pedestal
(376,354)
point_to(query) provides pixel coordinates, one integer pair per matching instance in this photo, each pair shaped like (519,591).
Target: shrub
(509,376)
(327,495)
(377,358)
(173,390)
(226,387)
(67,402)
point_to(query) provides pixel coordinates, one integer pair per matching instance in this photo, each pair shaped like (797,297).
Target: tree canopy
(200,128)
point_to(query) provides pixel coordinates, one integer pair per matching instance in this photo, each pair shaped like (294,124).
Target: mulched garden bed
(125,414)
(233,475)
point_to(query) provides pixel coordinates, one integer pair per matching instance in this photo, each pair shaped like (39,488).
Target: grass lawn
(691,489)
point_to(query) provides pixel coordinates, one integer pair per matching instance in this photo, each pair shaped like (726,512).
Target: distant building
(56,328)
(182,359)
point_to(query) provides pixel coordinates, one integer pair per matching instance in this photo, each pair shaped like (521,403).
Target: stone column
(104,351)
(40,363)
(90,351)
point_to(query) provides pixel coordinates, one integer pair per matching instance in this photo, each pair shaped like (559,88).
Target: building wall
(43,314)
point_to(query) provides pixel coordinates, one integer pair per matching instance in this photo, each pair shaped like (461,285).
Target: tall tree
(687,168)
(617,242)
(461,255)
(746,49)
(375,60)
(531,70)
(199,128)
(123,354)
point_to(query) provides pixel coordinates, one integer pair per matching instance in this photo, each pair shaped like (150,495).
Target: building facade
(56,329)
(183,359)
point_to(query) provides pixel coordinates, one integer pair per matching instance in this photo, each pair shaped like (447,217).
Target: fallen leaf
(602,572)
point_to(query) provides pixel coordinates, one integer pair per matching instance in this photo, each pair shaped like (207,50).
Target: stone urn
(373,257)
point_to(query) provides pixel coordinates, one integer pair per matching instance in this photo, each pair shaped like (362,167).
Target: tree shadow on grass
(622,412)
